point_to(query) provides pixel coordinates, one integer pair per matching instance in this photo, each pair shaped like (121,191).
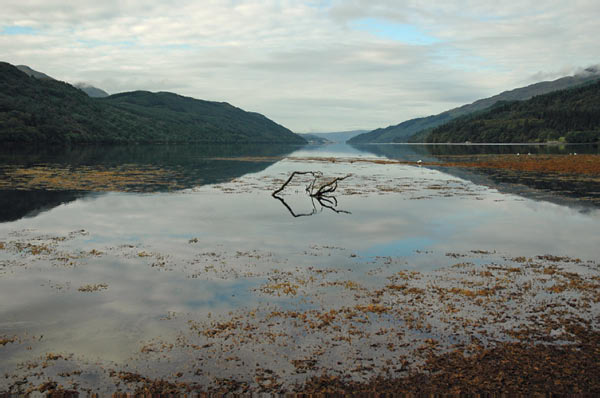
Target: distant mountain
(86,88)
(33,73)
(404,131)
(90,90)
(314,139)
(48,111)
(571,115)
(340,136)
(199,120)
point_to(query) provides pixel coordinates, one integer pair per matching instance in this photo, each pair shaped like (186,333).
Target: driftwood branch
(309,188)
(324,189)
(329,187)
(322,194)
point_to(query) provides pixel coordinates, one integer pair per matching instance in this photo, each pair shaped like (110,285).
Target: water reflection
(318,204)
(77,171)
(320,194)
(437,151)
(16,204)
(576,191)
(197,254)
(112,155)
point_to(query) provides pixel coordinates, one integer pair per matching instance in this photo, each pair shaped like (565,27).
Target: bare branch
(315,175)
(321,195)
(329,187)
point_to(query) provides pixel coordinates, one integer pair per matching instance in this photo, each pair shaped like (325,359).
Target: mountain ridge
(33,73)
(570,115)
(36,110)
(403,131)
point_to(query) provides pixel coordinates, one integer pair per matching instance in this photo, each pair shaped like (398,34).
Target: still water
(96,276)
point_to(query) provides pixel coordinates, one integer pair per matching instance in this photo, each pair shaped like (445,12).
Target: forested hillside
(416,130)
(48,111)
(570,115)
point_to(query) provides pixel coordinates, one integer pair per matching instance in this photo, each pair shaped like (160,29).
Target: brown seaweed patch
(129,178)
(6,340)
(280,288)
(564,259)
(507,369)
(562,164)
(93,288)
(463,328)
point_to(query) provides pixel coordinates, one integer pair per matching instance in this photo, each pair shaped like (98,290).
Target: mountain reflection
(16,204)
(320,194)
(33,180)
(436,152)
(574,191)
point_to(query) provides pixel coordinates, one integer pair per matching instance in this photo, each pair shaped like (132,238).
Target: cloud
(323,65)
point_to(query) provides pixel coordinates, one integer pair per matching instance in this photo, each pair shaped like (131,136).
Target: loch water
(97,274)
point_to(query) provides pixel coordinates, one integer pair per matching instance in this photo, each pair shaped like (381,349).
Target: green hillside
(416,130)
(48,111)
(401,132)
(572,115)
(33,73)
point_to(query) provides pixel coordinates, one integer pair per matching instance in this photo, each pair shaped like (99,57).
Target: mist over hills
(90,90)
(340,136)
(314,139)
(44,110)
(416,130)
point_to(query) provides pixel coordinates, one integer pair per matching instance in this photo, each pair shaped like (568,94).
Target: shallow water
(154,262)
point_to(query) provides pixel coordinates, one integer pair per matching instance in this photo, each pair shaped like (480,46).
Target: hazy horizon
(312,66)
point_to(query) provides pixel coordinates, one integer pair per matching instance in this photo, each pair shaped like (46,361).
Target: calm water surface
(156,260)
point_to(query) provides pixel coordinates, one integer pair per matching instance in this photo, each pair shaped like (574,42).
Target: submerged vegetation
(489,322)
(214,290)
(483,321)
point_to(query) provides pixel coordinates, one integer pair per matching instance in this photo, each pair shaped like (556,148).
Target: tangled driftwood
(321,194)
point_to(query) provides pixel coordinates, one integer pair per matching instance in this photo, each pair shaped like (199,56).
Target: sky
(310,65)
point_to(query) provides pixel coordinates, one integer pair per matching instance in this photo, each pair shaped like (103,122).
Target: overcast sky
(310,65)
